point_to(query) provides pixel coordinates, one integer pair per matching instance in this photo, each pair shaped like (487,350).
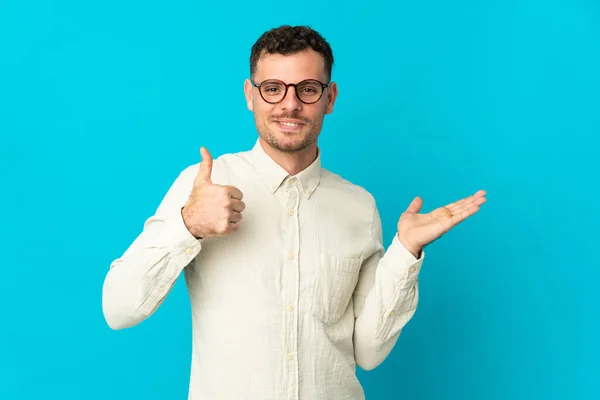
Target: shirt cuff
(179,237)
(402,263)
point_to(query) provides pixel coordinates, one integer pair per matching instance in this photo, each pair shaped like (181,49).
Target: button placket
(290,274)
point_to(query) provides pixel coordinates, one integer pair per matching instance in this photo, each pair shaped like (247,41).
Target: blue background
(103,103)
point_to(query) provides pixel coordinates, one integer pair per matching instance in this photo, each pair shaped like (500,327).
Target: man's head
(284,56)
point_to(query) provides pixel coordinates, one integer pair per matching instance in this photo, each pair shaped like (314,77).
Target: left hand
(415,230)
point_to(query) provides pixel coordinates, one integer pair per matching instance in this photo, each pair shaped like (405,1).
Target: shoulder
(223,166)
(349,191)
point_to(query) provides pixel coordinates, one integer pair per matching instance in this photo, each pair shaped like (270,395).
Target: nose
(291,101)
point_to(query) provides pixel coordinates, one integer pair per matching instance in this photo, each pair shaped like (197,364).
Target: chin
(290,145)
(288,142)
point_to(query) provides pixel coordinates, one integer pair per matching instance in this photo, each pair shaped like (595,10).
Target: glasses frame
(287,85)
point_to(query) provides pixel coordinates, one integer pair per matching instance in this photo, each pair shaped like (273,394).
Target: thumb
(205,171)
(415,205)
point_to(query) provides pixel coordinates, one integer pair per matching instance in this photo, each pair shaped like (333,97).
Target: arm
(387,293)
(138,282)
(385,298)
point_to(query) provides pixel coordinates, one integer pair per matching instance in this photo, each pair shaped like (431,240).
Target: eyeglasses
(308,91)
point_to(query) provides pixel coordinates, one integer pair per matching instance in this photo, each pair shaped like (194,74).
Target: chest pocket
(333,282)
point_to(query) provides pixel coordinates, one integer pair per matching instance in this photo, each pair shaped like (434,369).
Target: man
(289,282)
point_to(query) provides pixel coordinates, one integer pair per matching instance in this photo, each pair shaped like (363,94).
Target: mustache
(290,116)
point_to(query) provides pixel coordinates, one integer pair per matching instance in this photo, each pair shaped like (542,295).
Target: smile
(290,126)
(289,123)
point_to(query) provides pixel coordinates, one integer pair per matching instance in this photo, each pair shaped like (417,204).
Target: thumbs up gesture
(212,210)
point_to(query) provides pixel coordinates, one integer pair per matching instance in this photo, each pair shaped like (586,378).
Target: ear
(248,93)
(332,92)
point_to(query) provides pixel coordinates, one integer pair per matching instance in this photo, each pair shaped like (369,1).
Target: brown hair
(287,40)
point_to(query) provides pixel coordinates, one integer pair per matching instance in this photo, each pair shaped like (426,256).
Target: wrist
(412,248)
(191,230)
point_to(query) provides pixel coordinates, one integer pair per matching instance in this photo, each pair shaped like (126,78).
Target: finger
(467,200)
(235,217)
(479,201)
(205,171)
(466,204)
(463,213)
(234,192)
(233,227)
(415,205)
(460,204)
(238,205)
(475,201)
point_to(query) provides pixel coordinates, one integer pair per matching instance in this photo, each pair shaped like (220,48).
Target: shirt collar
(274,175)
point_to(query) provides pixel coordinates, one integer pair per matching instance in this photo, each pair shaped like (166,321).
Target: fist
(212,210)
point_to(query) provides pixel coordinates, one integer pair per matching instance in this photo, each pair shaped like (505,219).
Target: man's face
(290,125)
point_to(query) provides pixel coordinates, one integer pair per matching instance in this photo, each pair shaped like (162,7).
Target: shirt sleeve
(138,281)
(385,298)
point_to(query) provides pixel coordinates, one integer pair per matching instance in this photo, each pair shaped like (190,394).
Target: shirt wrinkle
(288,306)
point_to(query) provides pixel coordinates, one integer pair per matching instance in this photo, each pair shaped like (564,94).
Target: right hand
(212,210)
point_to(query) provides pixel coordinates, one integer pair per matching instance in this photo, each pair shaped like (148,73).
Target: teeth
(289,124)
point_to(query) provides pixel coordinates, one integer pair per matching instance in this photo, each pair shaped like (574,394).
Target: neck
(295,162)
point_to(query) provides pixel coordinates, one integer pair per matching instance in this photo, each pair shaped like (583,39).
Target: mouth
(289,124)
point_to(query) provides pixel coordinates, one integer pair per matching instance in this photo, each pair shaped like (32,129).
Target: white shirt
(286,307)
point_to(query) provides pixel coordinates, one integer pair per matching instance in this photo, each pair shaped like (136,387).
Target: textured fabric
(289,305)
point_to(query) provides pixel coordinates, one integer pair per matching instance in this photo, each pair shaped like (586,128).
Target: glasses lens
(272,90)
(309,91)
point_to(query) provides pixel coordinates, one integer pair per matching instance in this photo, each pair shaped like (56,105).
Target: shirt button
(292,181)
(291,256)
(189,251)
(291,211)
(161,289)
(291,307)
(307,191)
(290,356)
(412,269)
(392,314)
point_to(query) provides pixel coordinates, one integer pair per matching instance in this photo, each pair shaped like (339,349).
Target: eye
(272,89)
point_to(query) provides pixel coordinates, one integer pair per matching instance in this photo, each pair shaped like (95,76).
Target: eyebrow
(281,80)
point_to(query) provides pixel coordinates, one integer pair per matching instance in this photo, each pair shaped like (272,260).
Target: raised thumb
(205,171)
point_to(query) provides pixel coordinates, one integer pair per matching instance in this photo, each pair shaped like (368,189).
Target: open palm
(416,230)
